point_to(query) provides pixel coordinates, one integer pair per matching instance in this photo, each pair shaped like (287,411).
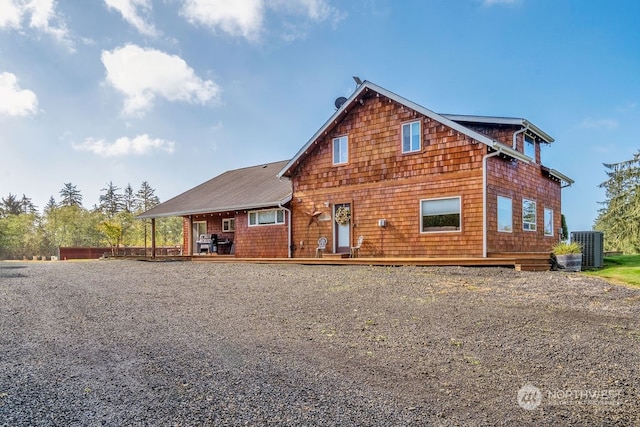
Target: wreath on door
(343,215)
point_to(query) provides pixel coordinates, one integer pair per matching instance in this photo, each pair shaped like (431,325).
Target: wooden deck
(537,261)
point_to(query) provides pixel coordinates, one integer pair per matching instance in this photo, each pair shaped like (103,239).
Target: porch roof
(240,189)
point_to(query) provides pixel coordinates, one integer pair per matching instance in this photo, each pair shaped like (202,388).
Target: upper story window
(340,150)
(411,140)
(529,147)
(529,215)
(266,217)
(440,215)
(229,225)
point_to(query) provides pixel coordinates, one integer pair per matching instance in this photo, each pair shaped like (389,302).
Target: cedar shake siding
(379,181)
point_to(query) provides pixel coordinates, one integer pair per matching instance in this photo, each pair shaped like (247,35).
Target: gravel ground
(178,343)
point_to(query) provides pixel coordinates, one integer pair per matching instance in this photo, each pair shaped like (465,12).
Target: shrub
(563,248)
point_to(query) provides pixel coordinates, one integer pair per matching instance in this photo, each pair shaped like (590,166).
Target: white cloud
(13,100)
(44,17)
(246,18)
(144,74)
(124,146)
(590,123)
(316,10)
(131,11)
(10,14)
(237,18)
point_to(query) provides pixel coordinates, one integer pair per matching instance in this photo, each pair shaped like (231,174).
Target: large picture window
(266,217)
(548,222)
(505,214)
(340,150)
(411,140)
(440,215)
(529,215)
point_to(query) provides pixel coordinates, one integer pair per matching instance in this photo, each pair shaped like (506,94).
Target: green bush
(564,248)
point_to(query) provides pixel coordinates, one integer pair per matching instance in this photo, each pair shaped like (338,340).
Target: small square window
(340,150)
(529,215)
(411,137)
(229,225)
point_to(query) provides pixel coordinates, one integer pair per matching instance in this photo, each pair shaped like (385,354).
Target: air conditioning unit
(592,243)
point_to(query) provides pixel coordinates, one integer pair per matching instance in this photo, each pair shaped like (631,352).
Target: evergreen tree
(111,202)
(70,195)
(619,219)
(129,199)
(11,205)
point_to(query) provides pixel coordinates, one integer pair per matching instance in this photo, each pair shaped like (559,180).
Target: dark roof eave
(217,210)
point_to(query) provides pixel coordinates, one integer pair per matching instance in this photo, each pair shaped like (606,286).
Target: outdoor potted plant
(568,255)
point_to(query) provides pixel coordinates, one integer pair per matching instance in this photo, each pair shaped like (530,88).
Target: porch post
(153,237)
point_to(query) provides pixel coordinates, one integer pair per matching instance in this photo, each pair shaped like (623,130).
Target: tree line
(619,218)
(27,232)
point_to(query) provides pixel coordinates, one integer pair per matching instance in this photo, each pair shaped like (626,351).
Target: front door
(342,229)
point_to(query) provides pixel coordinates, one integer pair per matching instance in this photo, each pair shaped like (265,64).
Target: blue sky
(175,92)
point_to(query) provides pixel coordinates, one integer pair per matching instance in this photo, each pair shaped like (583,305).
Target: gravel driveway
(183,343)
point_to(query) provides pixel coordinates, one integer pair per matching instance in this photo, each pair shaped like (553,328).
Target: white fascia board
(561,176)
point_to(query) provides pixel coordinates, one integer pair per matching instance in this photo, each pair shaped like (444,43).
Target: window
(267,217)
(440,215)
(411,137)
(505,214)
(340,150)
(529,147)
(528,215)
(229,225)
(548,222)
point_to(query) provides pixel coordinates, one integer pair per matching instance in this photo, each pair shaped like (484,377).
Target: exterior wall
(267,241)
(382,183)
(519,181)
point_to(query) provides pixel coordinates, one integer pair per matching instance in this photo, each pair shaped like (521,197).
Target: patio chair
(356,249)
(322,246)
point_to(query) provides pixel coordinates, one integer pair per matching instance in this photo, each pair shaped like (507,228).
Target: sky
(175,92)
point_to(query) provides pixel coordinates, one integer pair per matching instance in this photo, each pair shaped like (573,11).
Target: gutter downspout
(288,229)
(484,199)
(515,135)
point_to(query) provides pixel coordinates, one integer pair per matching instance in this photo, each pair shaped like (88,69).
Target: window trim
(226,222)
(532,226)
(255,212)
(338,139)
(458,230)
(500,230)
(551,233)
(402,126)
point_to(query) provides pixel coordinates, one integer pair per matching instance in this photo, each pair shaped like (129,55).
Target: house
(413,182)
(421,184)
(245,208)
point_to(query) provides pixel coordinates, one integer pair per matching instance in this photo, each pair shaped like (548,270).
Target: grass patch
(621,269)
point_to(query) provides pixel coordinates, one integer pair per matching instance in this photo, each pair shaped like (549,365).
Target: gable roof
(247,188)
(514,121)
(367,87)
